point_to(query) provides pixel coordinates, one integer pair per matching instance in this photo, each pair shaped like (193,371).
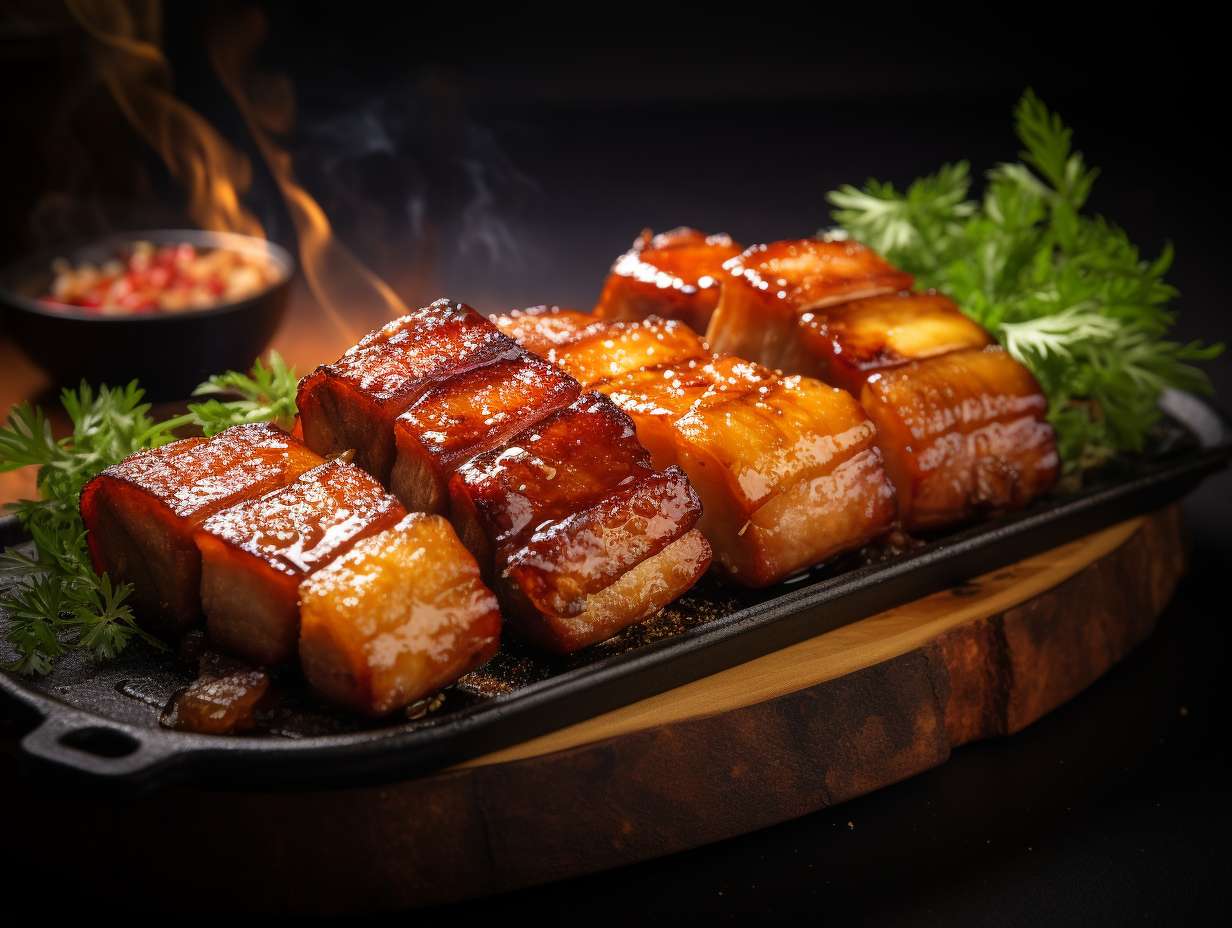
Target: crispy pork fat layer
(674,275)
(466,415)
(768,288)
(592,350)
(962,433)
(402,614)
(255,554)
(849,341)
(581,535)
(141,513)
(352,403)
(787,468)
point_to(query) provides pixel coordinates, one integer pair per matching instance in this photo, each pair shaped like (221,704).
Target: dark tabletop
(523,170)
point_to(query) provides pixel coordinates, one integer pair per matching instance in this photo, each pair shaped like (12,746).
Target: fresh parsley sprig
(55,600)
(1067,293)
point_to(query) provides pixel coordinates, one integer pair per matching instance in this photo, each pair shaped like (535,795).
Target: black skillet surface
(102,721)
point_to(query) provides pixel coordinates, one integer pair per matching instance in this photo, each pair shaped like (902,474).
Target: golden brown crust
(768,287)
(400,615)
(466,415)
(353,402)
(854,339)
(255,554)
(962,433)
(140,513)
(566,508)
(673,275)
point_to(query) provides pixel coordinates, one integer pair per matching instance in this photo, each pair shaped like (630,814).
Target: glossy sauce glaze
(141,513)
(786,468)
(852,340)
(767,288)
(399,616)
(593,351)
(466,415)
(673,275)
(353,402)
(563,511)
(255,554)
(962,433)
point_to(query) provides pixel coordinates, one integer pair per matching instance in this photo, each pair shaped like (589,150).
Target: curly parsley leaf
(266,394)
(1067,293)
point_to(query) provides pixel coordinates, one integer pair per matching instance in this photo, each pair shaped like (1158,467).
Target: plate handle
(86,744)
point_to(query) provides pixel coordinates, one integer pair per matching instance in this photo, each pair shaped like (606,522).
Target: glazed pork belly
(466,415)
(399,616)
(962,433)
(141,513)
(592,350)
(851,340)
(255,554)
(768,288)
(673,275)
(786,467)
(579,534)
(352,403)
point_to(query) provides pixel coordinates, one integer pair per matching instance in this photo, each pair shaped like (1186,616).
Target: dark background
(504,158)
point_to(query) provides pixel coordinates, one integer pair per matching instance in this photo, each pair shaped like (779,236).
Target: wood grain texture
(778,737)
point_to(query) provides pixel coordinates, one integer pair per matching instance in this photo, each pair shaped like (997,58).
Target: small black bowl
(169,353)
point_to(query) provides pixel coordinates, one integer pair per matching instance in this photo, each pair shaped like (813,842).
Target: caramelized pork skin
(767,288)
(565,512)
(787,468)
(674,275)
(852,340)
(255,554)
(466,415)
(592,350)
(352,403)
(399,616)
(962,433)
(141,513)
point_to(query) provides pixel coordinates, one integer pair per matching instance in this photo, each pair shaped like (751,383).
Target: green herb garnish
(1065,292)
(56,602)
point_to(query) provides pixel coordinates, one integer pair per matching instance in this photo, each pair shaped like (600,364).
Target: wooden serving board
(786,734)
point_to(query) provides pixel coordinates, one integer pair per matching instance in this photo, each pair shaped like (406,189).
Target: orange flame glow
(139,78)
(342,284)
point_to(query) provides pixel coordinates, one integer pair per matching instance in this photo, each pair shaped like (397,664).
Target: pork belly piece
(787,468)
(581,536)
(675,275)
(851,340)
(768,288)
(466,415)
(399,616)
(961,433)
(255,554)
(352,403)
(141,513)
(593,350)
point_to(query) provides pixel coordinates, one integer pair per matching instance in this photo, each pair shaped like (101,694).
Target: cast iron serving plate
(102,721)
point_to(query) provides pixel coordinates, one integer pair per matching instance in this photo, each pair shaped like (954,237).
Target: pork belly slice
(579,533)
(467,415)
(768,288)
(352,403)
(593,350)
(255,554)
(399,616)
(787,468)
(675,275)
(141,513)
(852,340)
(961,433)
